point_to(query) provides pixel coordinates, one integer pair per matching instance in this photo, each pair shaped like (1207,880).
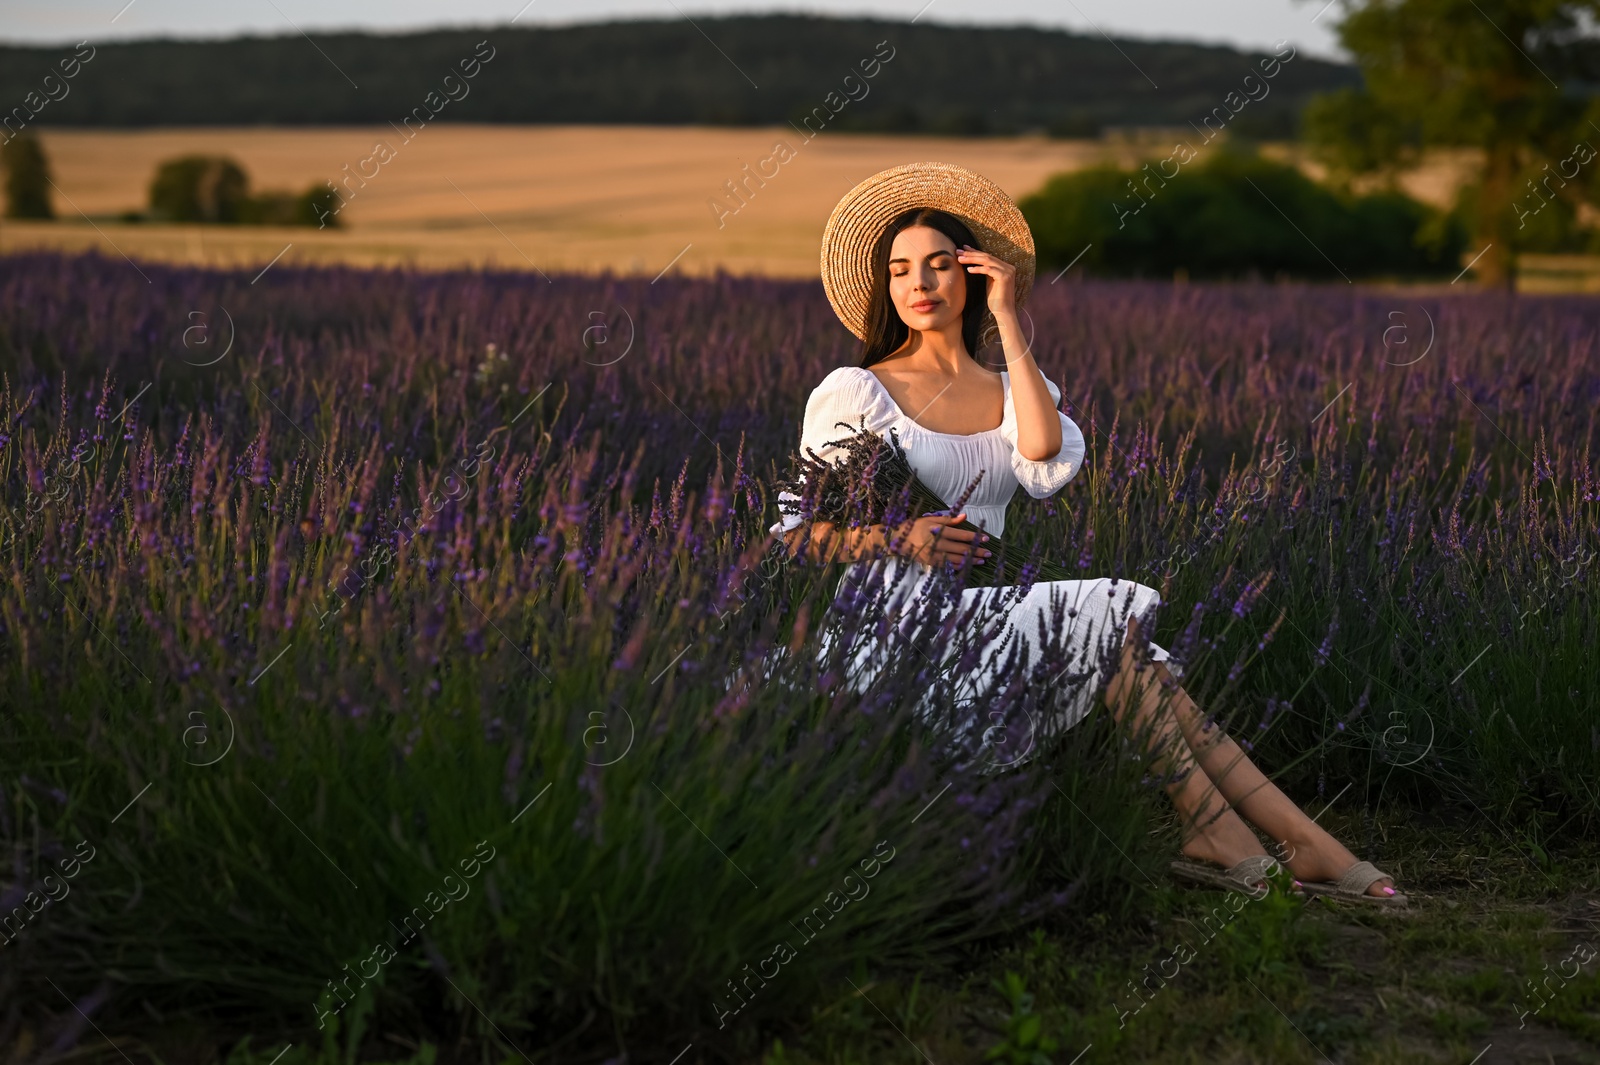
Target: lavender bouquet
(874,484)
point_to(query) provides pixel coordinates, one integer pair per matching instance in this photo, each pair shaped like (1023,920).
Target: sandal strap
(1358,878)
(1253,870)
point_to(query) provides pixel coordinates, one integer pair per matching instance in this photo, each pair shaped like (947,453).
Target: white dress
(1088,615)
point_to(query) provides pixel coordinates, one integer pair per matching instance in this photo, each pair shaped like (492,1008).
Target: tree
(199,188)
(1507,77)
(27,178)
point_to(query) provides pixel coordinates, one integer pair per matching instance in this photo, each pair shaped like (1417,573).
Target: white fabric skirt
(1075,625)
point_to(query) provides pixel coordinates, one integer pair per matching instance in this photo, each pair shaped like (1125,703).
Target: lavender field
(389,668)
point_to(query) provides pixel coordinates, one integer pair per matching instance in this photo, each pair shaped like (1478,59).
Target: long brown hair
(886,330)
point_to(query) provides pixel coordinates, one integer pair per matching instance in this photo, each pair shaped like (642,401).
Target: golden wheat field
(631,199)
(628,199)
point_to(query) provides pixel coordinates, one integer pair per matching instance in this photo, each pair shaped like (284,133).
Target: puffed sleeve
(849,394)
(1044,477)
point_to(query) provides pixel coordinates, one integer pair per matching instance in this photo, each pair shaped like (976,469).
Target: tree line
(770,70)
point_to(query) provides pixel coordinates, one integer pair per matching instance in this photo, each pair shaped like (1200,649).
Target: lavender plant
(560,653)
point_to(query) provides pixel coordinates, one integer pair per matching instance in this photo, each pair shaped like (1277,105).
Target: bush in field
(27,177)
(1230,216)
(391,680)
(199,188)
(316,206)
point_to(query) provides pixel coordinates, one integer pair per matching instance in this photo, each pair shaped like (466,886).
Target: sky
(1308,24)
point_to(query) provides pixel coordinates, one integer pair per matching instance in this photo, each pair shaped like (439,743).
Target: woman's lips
(924,305)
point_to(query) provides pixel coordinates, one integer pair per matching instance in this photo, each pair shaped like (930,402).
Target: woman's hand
(933,540)
(1002,279)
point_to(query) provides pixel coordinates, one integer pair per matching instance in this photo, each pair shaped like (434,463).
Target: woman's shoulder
(850,384)
(850,393)
(847,378)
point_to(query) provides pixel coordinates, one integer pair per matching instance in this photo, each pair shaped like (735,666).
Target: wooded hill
(771,69)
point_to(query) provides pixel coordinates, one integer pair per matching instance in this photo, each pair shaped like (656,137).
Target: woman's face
(927,286)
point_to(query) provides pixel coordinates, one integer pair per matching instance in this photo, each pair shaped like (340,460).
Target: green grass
(1301,983)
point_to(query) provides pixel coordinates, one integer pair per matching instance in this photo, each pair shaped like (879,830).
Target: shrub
(199,188)
(1232,216)
(314,207)
(271,209)
(317,207)
(27,178)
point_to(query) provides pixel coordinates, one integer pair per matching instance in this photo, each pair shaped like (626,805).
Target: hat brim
(860,217)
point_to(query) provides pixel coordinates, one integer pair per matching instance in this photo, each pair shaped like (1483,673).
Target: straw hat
(860,218)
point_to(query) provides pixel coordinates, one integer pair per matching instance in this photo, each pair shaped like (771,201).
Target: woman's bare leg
(1212,830)
(1313,854)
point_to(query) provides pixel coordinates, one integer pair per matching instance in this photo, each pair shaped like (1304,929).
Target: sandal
(1248,877)
(1352,886)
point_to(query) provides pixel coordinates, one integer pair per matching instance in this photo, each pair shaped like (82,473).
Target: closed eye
(940,260)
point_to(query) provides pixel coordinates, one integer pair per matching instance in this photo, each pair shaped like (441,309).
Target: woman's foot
(1319,858)
(1224,841)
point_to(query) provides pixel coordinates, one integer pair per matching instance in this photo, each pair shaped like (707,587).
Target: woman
(921,262)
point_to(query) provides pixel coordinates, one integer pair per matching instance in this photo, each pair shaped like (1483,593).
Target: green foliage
(1553,205)
(1266,939)
(1547,226)
(1577,1008)
(1511,78)
(1090,976)
(604,895)
(1011,80)
(1025,1041)
(314,207)
(27,177)
(271,209)
(328,1052)
(1464,72)
(1095,838)
(198,188)
(1229,216)
(1354,134)
(1486,985)
(1458,1022)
